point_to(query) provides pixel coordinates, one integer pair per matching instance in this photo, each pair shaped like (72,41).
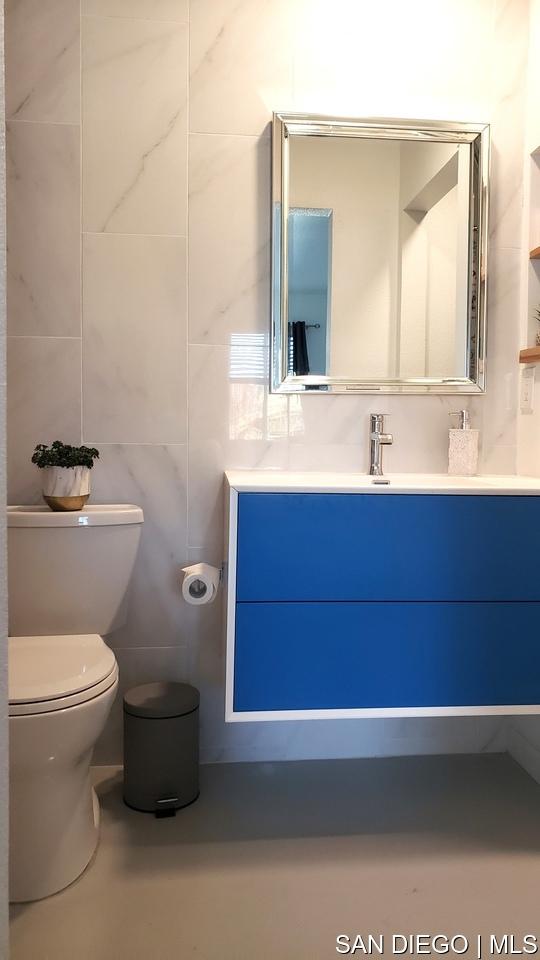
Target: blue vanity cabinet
(298,546)
(382,604)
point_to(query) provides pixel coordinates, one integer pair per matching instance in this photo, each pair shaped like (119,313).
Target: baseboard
(103,770)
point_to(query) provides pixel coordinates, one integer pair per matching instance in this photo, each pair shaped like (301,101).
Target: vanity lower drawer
(316,656)
(386,547)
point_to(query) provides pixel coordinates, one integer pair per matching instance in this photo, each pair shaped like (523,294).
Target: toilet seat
(53,673)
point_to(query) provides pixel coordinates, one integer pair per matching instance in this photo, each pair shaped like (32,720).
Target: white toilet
(68,578)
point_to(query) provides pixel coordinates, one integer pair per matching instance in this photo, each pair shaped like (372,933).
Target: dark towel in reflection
(300,358)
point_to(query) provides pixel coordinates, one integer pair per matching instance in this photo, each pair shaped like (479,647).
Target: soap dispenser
(463,447)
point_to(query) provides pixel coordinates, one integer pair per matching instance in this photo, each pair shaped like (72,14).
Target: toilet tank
(70,572)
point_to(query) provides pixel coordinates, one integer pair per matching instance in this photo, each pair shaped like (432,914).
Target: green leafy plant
(63,455)
(537,318)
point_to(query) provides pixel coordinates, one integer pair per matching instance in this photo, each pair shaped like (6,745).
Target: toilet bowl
(61,690)
(64,571)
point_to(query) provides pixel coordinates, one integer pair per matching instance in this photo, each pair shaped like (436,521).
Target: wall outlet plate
(526,393)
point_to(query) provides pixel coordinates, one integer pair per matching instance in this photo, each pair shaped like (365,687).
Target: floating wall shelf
(530,355)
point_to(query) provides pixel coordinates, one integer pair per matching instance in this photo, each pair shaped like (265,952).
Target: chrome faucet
(377,439)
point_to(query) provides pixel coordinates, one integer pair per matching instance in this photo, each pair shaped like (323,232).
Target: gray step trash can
(161,747)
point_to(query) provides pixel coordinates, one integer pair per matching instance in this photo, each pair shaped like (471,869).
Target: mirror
(379,255)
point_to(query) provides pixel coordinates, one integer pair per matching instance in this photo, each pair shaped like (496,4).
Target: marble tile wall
(44,231)
(162,360)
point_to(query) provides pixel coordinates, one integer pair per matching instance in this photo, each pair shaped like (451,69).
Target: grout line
(184,645)
(104,16)
(44,123)
(114,233)
(212,133)
(40,336)
(137,443)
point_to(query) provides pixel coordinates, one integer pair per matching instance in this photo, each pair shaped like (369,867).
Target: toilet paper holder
(201,582)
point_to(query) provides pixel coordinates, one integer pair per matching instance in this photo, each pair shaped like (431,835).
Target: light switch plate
(526,397)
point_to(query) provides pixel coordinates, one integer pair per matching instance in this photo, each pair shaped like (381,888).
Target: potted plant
(66,474)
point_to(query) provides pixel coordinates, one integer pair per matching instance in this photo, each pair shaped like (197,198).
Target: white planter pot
(65,488)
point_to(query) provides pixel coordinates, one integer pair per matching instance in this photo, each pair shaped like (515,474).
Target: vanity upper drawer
(310,546)
(316,656)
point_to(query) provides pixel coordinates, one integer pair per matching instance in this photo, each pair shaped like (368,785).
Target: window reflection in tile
(254,413)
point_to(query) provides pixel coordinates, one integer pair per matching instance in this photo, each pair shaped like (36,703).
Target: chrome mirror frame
(477,134)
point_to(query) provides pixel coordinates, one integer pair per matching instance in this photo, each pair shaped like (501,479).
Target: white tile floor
(275,860)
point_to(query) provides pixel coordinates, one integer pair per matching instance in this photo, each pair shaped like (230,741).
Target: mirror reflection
(382,254)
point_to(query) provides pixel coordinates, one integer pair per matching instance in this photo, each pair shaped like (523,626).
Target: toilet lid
(46,668)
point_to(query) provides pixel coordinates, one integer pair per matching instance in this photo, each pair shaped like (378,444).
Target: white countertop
(275,481)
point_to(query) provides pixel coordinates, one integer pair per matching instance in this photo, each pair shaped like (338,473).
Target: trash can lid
(161,700)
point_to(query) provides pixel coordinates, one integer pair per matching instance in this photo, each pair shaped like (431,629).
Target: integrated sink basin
(269,481)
